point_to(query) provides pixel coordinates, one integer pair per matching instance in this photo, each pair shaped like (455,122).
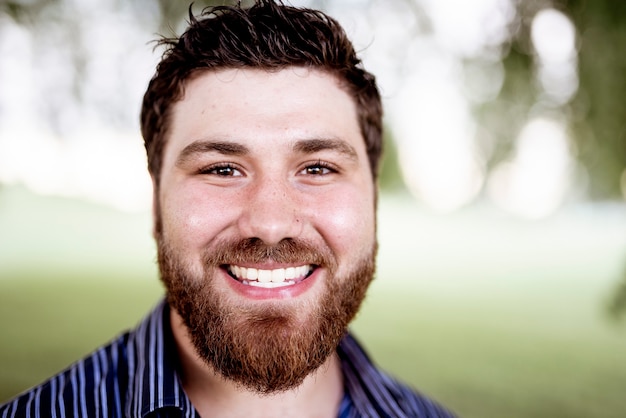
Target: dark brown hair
(269,35)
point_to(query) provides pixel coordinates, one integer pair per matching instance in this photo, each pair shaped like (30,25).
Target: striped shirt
(135,376)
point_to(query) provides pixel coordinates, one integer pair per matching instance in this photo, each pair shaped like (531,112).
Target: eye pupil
(319,169)
(225,171)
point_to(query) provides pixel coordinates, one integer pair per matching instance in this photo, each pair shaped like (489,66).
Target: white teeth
(253,274)
(278,275)
(265,276)
(269,278)
(270,285)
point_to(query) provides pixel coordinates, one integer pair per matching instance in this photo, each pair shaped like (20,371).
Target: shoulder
(92,386)
(132,376)
(411,402)
(375,393)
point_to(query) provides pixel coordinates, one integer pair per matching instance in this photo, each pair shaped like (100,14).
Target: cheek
(190,218)
(347,222)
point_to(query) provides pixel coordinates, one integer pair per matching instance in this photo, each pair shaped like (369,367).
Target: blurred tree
(617,303)
(25,11)
(173,13)
(390,178)
(597,113)
(599,110)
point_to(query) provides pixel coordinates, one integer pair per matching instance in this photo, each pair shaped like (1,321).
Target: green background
(490,315)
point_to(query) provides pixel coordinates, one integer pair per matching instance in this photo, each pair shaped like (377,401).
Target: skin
(273,156)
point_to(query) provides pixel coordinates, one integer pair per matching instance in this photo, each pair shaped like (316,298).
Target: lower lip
(261,293)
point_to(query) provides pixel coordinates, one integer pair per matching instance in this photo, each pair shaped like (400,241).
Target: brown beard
(271,348)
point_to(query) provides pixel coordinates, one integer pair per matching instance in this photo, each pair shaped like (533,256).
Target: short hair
(271,36)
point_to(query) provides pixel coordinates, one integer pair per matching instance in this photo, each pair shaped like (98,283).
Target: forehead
(246,104)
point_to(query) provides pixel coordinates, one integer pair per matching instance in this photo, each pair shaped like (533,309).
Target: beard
(264,347)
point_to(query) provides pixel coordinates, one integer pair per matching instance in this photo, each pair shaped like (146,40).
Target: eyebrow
(204,146)
(306,146)
(311,146)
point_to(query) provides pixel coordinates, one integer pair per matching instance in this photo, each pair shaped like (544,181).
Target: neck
(319,395)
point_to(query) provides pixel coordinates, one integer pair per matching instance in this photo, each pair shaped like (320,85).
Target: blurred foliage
(617,303)
(27,11)
(599,110)
(597,114)
(178,11)
(390,178)
(505,116)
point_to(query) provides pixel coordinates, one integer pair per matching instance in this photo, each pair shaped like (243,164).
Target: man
(263,136)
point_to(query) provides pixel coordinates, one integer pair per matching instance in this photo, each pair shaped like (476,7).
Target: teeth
(269,285)
(278,275)
(269,278)
(253,274)
(265,276)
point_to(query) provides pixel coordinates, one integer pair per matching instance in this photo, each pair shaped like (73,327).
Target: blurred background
(501,287)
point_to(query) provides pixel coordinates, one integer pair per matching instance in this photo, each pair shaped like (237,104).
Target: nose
(271,212)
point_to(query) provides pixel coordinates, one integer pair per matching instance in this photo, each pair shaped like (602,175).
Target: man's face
(266,210)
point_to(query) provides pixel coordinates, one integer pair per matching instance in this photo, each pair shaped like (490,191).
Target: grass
(48,324)
(492,316)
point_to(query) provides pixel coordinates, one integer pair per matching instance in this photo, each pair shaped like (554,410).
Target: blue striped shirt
(135,376)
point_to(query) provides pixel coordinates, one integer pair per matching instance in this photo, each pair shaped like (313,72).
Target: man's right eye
(222,170)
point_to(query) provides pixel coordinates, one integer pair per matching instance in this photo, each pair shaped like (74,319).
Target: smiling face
(265,221)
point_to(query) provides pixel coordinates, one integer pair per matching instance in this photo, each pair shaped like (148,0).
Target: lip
(260,293)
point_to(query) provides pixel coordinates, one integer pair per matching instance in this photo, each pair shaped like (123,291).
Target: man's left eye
(222,170)
(318,169)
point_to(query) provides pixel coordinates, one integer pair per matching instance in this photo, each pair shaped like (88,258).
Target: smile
(270,278)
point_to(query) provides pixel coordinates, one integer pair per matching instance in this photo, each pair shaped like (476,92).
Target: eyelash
(215,168)
(323,165)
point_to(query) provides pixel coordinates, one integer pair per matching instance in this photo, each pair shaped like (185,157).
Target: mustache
(254,250)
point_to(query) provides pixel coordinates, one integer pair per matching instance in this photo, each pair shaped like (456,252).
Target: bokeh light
(70,89)
(534,183)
